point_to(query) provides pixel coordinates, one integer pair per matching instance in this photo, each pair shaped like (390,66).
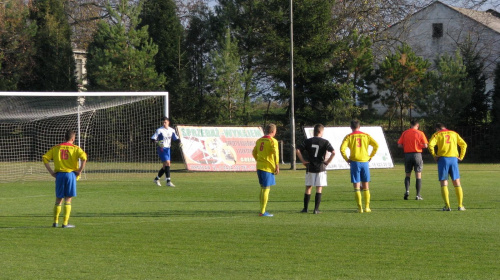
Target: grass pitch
(208,228)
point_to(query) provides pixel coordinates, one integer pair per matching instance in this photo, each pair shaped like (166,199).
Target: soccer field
(208,228)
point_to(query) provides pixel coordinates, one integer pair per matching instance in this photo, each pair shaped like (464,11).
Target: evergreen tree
(244,19)
(226,79)
(313,55)
(446,90)
(495,111)
(476,111)
(166,31)
(16,44)
(400,75)
(121,56)
(54,68)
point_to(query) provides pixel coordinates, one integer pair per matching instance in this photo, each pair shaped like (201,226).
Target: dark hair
(70,133)
(318,128)
(355,124)
(165,119)
(413,122)
(439,126)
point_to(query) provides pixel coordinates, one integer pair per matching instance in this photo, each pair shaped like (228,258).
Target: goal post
(114,128)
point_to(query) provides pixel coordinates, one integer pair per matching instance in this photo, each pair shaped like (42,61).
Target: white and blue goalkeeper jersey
(165,136)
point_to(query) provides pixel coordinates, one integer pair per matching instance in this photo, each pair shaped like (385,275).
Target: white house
(80,71)
(439,28)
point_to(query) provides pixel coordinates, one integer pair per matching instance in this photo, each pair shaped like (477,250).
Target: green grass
(208,228)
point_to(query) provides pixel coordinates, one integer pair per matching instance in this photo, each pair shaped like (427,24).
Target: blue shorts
(65,184)
(266,179)
(448,166)
(163,153)
(360,172)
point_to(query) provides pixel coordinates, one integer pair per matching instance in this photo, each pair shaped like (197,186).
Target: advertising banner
(335,135)
(219,148)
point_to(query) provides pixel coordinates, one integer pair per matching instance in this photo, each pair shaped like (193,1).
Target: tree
(495,111)
(476,112)
(166,31)
(446,90)
(16,44)
(226,79)
(54,68)
(353,73)
(400,75)
(121,56)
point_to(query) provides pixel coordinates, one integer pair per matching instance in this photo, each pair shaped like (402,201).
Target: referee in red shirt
(412,141)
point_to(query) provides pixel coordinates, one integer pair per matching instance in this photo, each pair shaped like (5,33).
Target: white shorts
(316,179)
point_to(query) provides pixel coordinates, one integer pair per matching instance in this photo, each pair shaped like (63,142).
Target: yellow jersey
(65,157)
(266,153)
(446,142)
(358,143)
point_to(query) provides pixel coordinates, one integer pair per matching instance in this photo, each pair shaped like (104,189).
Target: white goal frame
(160,97)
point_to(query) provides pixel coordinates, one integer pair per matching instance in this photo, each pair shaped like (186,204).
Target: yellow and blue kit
(447,141)
(266,153)
(65,157)
(358,143)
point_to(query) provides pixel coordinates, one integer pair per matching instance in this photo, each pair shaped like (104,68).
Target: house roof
(487,18)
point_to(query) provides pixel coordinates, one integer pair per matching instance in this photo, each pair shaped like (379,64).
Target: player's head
(270,129)
(165,121)
(439,126)
(318,129)
(414,123)
(69,135)
(355,124)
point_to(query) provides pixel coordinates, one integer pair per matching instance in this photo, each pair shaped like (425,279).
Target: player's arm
(46,158)
(343,147)
(332,155)
(301,158)
(432,144)
(276,156)
(52,173)
(374,144)
(463,147)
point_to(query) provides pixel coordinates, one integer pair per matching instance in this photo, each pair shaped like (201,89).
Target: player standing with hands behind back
(358,143)
(266,154)
(66,172)
(316,148)
(163,138)
(447,158)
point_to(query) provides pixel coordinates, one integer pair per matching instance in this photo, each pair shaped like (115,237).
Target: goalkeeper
(163,138)
(66,172)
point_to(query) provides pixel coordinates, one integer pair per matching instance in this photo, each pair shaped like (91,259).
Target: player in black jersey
(316,148)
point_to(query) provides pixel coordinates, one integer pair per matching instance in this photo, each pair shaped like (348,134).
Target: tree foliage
(54,68)
(16,44)
(476,112)
(400,75)
(226,79)
(121,56)
(446,90)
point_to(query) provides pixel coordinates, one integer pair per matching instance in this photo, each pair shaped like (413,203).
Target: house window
(437,30)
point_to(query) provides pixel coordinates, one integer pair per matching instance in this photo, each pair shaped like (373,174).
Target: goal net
(114,129)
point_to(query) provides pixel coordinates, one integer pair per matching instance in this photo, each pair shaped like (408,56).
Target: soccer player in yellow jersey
(66,172)
(359,159)
(266,154)
(447,157)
